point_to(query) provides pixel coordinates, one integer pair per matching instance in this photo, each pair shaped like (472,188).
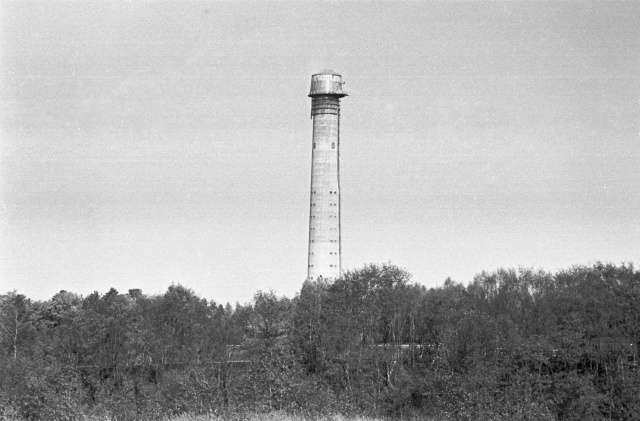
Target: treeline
(513,344)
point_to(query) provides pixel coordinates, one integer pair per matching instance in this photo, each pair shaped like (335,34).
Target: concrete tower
(324,217)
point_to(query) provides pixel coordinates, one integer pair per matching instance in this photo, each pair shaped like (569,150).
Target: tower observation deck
(325,259)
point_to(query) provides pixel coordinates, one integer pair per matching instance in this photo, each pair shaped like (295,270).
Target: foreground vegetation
(272,416)
(511,345)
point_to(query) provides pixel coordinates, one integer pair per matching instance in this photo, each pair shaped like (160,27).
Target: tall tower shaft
(325,258)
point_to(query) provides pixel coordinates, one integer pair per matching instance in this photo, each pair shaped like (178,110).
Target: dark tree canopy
(513,344)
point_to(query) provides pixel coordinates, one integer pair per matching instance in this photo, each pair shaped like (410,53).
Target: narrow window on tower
(314,145)
(333,145)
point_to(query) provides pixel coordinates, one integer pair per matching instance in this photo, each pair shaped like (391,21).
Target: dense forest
(512,344)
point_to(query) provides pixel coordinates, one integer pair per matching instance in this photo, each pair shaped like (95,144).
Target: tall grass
(271,416)
(232,416)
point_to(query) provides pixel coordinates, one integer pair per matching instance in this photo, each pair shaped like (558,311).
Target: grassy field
(272,416)
(243,416)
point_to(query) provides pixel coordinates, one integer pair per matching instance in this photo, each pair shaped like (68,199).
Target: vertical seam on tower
(310,199)
(339,201)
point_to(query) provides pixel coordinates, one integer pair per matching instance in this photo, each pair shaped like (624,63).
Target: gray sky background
(151,143)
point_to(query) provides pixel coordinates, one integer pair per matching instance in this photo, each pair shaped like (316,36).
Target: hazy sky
(151,143)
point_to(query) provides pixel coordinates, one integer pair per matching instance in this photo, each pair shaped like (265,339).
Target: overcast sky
(151,143)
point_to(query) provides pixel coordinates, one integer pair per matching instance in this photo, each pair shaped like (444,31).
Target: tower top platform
(327,72)
(327,82)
